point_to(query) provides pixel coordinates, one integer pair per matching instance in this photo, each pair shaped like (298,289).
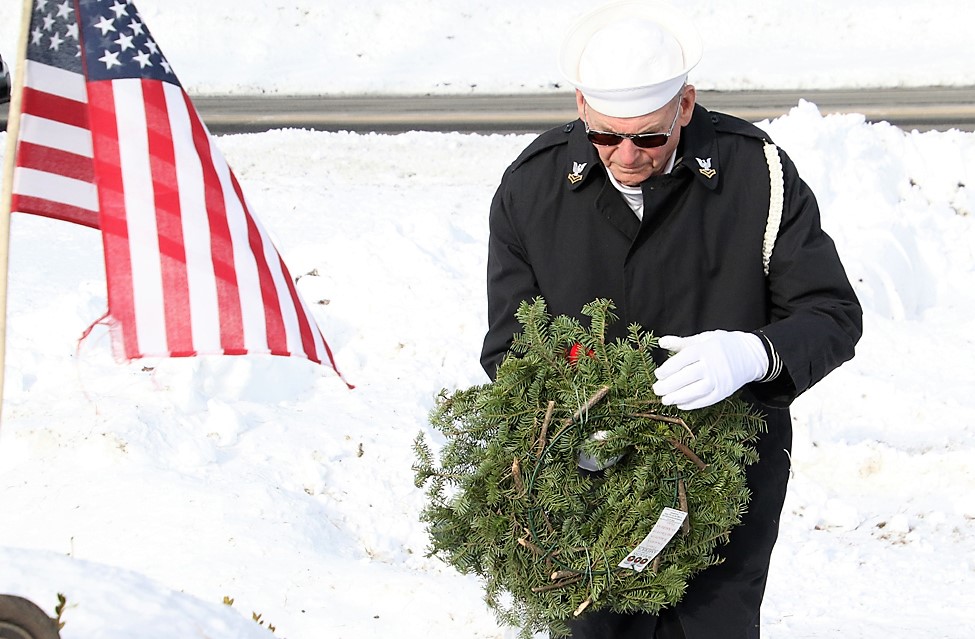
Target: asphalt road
(940,108)
(923,109)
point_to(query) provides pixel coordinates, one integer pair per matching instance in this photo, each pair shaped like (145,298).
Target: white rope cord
(776,200)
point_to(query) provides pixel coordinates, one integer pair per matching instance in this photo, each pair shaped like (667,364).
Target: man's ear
(581,105)
(687,102)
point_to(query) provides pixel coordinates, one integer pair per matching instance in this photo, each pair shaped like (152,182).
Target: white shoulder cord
(776,200)
(775,204)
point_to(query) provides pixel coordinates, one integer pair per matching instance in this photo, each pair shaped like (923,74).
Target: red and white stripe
(53,174)
(193,272)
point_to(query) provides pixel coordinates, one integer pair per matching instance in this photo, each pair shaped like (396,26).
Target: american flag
(54,174)
(109,138)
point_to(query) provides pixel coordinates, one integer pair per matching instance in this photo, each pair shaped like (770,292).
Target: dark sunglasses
(642,140)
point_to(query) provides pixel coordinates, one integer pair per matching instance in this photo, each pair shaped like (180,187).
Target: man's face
(628,163)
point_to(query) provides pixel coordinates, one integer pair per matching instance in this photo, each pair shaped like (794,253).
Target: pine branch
(590,403)
(545,423)
(668,420)
(563,574)
(532,547)
(682,499)
(516,476)
(558,585)
(582,607)
(688,453)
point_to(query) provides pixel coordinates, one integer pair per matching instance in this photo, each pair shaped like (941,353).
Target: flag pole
(6,194)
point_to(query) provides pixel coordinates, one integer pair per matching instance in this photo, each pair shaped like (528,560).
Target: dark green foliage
(509,504)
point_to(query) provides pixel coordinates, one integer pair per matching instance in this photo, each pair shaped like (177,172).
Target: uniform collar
(582,158)
(698,151)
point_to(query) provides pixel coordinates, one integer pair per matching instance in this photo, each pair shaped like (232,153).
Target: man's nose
(628,151)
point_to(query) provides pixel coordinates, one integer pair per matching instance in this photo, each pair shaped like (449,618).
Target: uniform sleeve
(510,280)
(816,319)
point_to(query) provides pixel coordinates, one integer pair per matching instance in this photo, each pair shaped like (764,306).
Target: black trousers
(606,624)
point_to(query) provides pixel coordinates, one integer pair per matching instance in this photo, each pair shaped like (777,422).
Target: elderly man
(701,230)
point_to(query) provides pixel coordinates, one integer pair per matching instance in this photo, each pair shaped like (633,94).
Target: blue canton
(116,42)
(53,36)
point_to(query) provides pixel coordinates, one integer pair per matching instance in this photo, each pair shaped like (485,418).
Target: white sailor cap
(630,58)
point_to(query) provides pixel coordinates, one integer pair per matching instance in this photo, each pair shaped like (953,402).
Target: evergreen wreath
(508,502)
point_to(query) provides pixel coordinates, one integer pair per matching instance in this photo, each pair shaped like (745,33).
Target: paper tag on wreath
(660,535)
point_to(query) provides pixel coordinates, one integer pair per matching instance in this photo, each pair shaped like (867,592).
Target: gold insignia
(577,168)
(706,169)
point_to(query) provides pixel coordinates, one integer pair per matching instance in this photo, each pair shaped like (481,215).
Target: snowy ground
(509,46)
(149,492)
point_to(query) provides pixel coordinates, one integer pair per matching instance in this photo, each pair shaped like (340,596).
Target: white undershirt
(634,194)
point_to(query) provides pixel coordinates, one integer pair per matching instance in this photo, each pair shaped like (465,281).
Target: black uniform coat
(560,230)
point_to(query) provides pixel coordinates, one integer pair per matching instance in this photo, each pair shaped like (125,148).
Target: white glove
(708,367)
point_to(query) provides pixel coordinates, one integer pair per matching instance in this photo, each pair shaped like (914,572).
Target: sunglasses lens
(604,139)
(650,141)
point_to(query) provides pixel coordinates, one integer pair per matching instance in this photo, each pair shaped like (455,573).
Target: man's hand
(708,367)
